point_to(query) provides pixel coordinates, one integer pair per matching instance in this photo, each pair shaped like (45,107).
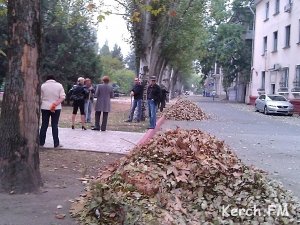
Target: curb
(150,133)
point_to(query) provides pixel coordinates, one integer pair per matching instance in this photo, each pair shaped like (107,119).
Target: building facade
(276,53)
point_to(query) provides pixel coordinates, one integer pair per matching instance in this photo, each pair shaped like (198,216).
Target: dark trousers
(46,114)
(104,120)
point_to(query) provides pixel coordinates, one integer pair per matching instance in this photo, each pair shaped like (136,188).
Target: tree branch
(189,5)
(122,4)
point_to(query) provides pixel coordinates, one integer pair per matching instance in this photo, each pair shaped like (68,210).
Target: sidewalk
(88,140)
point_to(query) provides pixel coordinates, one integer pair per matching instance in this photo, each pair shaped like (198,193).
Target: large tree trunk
(173,81)
(150,43)
(19,122)
(166,76)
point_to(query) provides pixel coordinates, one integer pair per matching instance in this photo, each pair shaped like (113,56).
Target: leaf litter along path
(60,172)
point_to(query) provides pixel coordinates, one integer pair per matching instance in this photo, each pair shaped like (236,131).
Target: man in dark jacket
(153,98)
(137,93)
(163,98)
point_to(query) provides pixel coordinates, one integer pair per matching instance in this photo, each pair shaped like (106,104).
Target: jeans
(88,107)
(46,114)
(152,113)
(136,103)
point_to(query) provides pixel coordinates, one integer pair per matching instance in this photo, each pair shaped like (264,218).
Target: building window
(265,44)
(287,36)
(277,7)
(263,80)
(297,77)
(275,41)
(284,83)
(267,10)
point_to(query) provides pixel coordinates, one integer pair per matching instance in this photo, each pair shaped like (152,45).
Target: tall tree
(3,41)
(130,61)
(69,41)
(105,51)
(19,151)
(117,53)
(165,34)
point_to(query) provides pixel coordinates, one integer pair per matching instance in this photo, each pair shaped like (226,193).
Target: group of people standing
(83,93)
(156,98)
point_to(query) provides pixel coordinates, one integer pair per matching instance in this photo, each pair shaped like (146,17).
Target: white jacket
(51,91)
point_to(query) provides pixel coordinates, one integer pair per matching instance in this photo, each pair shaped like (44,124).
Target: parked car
(116,89)
(277,104)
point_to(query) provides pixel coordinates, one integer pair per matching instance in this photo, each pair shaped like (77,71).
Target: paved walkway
(88,140)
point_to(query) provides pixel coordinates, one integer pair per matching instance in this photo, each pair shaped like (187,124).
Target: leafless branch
(122,4)
(187,8)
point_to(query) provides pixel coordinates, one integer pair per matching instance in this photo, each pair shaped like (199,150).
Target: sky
(114,30)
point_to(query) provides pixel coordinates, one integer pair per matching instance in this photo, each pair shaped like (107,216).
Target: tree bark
(173,84)
(19,121)
(150,43)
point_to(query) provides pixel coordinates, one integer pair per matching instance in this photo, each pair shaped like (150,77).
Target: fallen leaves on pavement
(183,177)
(184,109)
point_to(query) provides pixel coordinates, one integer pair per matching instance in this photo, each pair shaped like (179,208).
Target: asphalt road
(271,143)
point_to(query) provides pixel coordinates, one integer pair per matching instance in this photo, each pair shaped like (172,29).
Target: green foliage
(116,52)
(115,68)
(3,8)
(130,61)
(105,51)
(225,43)
(3,41)
(194,83)
(111,64)
(69,46)
(124,78)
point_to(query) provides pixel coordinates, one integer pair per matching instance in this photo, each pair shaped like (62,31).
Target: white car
(277,104)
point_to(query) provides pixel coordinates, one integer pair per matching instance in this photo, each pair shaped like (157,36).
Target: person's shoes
(95,128)
(73,127)
(83,128)
(128,121)
(58,146)
(150,128)
(103,130)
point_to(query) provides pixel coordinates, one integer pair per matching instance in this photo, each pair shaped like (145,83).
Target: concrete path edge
(151,132)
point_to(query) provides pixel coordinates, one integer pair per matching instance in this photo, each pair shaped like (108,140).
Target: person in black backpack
(78,94)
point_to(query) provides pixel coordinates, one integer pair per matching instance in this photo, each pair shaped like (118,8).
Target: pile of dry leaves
(185,177)
(184,109)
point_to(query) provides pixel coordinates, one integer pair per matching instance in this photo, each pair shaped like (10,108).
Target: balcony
(283,90)
(249,35)
(296,90)
(288,7)
(261,91)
